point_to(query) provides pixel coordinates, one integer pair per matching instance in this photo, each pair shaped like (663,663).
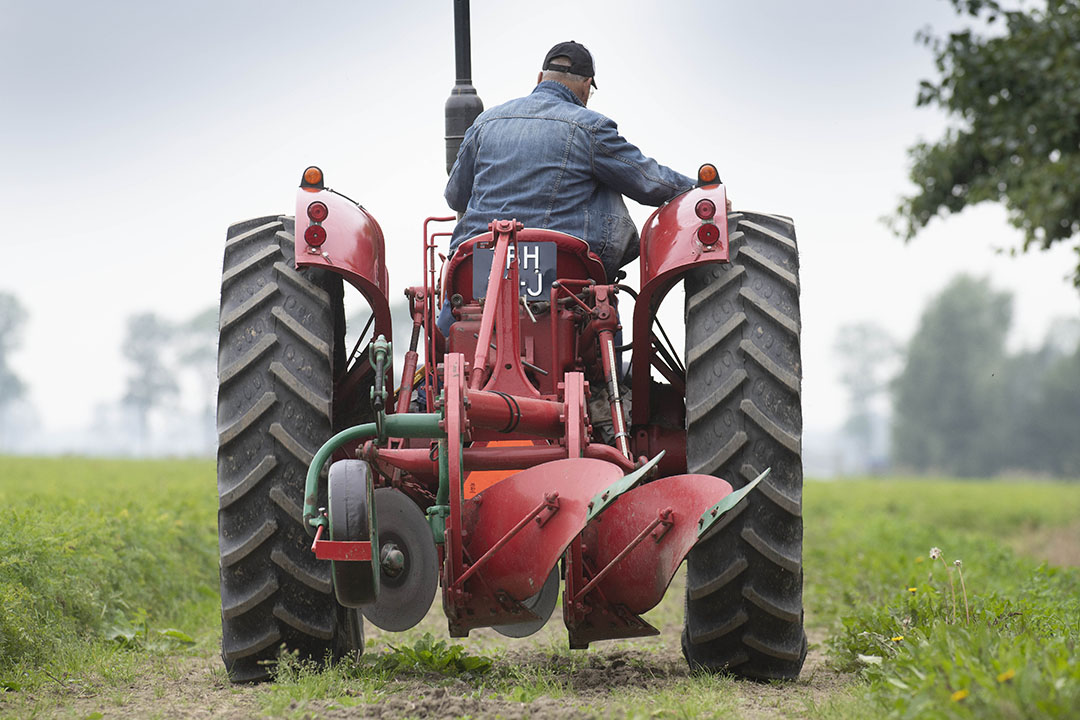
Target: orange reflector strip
(707,173)
(479,480)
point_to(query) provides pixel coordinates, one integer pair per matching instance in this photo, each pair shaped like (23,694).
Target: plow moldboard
(638,580)
(520,567)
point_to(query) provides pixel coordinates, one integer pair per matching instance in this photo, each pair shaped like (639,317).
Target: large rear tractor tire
(281,341)
(744,612)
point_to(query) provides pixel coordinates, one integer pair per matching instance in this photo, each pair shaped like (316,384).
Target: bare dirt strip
(196,687)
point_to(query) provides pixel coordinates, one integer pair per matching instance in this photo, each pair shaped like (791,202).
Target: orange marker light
(707,174)
(313,176)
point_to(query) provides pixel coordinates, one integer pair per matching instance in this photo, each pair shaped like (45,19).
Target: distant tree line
(158,351)
(962,404)
(965,406)
(12,388)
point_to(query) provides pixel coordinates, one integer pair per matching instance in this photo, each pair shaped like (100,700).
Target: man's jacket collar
(559,90)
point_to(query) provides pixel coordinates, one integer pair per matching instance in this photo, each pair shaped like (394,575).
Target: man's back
(550,162)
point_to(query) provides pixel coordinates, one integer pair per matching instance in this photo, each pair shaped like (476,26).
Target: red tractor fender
(351,245)
(674,240)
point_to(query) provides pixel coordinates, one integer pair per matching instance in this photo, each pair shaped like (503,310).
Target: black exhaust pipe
(464,104)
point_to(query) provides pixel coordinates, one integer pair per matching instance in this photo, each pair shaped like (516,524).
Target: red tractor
(521,441)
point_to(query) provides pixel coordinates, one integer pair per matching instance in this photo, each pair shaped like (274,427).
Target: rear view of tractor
(521,452)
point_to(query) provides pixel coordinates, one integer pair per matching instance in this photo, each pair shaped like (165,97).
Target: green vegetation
(101,557)
(427,655)
(1000,642)
(108,575)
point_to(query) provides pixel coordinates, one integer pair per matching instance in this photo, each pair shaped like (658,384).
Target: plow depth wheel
(744,610)
(352,518)
(281,337)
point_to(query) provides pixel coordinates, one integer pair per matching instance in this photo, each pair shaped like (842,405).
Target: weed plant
(100,557)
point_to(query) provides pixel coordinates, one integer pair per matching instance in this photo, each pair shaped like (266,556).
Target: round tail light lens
(318,211)
(705,209)
(708,234)
(315,235)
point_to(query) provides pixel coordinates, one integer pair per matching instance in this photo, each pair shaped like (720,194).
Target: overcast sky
(133,133)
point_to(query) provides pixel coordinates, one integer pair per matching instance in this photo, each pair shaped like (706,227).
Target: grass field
(108,607)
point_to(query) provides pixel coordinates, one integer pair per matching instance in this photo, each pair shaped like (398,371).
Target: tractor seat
(574,260)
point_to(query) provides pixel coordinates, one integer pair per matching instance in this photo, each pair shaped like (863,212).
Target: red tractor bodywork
(353,248)
(510,384)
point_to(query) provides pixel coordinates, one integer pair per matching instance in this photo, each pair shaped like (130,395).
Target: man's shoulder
(546,107)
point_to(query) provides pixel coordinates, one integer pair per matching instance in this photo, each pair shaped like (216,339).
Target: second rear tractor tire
(281,339)
(744,612)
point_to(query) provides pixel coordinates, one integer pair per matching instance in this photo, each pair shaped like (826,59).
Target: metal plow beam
(627,556)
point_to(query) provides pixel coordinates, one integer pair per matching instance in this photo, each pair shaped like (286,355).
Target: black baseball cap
(580,60)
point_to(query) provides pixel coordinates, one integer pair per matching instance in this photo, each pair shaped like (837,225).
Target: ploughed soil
(649,669)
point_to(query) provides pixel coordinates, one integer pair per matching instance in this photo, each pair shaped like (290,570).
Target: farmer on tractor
(548,161)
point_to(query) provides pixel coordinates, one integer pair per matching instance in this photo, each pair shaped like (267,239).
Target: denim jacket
(552,163)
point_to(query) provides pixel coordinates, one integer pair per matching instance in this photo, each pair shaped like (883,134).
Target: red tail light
(705,209)
(318,211)
(315,235)
(708,234)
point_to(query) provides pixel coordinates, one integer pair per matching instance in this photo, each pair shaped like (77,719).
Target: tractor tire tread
(774,607)
(245,233)
(240,605)
(710,402)
(723,578)
(276,353)
(234,552)
(289,442)
(744,372)
(326,632)
(237,368)
(703,349)
(253,303)
(318,582)
(288,504)
(250,645)
(249,481)
(300,332)
(288,379)
(714,289)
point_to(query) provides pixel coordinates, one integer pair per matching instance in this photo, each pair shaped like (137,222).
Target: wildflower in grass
(960,570)
(960,695)
(935,553)
(1006,676)
(898,638)
(919,559)
(912,590)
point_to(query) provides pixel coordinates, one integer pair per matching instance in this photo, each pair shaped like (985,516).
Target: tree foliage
(862,350)
(944,410)
(964,406)
(12,318)
(1014,93)
(152,382)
